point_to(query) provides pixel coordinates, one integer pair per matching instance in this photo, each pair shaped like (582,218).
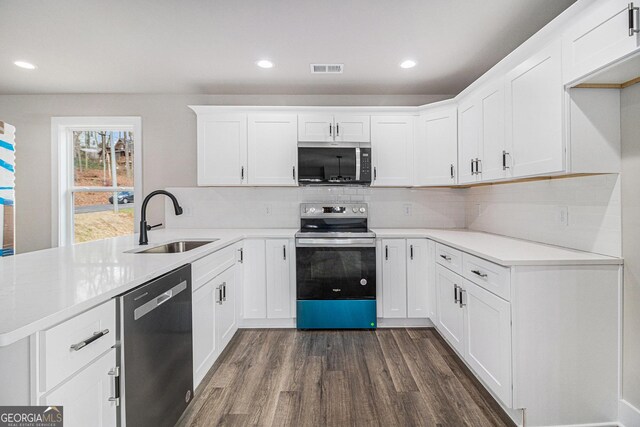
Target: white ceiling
(210,47)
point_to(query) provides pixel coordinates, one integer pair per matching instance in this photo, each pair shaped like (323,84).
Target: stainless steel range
(336,267)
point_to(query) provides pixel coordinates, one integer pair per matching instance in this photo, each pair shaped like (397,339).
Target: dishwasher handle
(149,306)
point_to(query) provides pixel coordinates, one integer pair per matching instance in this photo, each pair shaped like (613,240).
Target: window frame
(62,169)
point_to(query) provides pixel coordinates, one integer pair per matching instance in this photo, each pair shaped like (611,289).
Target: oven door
(332,269)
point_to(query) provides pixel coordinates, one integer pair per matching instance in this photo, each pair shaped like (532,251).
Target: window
(96,178)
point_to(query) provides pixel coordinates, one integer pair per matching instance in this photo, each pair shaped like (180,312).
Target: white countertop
(43,288)
(40,289)
(502,250)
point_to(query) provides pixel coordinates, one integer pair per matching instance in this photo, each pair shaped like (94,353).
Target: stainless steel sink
(176,247)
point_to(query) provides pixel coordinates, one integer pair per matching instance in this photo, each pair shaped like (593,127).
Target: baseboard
(404,323)
(628,415)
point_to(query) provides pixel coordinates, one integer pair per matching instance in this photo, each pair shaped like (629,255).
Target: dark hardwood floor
(387,377)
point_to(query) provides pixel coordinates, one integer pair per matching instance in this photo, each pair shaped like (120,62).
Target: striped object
(7,188)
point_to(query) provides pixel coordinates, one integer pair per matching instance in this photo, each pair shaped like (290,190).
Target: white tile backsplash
(268,207)
(532,211)
(526,210)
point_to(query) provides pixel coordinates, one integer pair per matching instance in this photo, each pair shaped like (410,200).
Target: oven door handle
(327,243)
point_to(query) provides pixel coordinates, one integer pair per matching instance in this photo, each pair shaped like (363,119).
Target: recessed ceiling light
(25,65)
(408,64)
(265,64)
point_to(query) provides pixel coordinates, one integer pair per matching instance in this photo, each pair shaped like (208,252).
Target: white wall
(169,140)
(630,102)
(248,207)
(531,210)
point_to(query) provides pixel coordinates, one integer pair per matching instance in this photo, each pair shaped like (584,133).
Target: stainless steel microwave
(334,166)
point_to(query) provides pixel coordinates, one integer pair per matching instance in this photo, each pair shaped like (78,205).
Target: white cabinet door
(85,397)
(222,149)
(394,278)
(598,39)
(255,280)
(273,152)
(417,278)
(204,333)
(350,128)
(488,338)
(278,253)
(436,148)
(492,141)
(392,150)
(534,107)
(315,128)
(226,319)
(450,315)
(468,139)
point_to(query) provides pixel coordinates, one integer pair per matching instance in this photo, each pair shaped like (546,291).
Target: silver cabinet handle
(337,129)
(478,166)
(463,298)
(472,169)
(294,173)
(452,171)
(445,257)
(224,291)
(634,15)
(115,374)
(82,344)
(479,273)
(411,251)
(504,160)
(284,252)
(219,300)
(375,173)
(241,250)
(455,294)
(386,252)
(242,173)
(330,129)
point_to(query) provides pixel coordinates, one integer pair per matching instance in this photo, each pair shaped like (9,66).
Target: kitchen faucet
(144,239)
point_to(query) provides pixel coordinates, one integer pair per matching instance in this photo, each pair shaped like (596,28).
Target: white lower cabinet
(394,278)
(477,324)
(407,265)
(267,279)
(88,398)
(278,255)
(214,316)
(450,321)
(487,343)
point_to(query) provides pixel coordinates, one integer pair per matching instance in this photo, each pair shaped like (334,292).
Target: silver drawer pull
(96,335)
(445,257)
(478,273)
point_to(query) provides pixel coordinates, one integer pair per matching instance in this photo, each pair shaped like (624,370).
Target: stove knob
(355,210)
(362,210)
(312,210)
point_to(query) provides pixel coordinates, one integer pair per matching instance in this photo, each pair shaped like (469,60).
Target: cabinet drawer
(492,277)
(449,257)
(210,266)
(58,360)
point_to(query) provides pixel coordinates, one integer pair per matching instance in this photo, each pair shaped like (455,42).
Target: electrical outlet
(267,209)
(563,216)
(478,209)
(407,209)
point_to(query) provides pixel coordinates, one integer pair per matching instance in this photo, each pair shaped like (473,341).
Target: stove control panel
(359,210)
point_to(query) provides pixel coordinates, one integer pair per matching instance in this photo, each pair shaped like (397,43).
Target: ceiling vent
(327,68)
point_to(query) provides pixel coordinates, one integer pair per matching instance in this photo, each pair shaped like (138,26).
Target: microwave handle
(357,163)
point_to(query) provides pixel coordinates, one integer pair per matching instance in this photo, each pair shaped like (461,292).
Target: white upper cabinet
(436,147)
(599,37)
(330,128)
(392,150)
(222,149)
(273,153)
(468,140)
(493,153)
(534,107)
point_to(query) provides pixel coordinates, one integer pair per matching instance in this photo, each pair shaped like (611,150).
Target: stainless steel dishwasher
(155,350)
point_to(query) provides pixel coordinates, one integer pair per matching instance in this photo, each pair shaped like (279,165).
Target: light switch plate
(563,216)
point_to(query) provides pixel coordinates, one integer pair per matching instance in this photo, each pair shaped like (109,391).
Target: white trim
(61,181)
(628,415)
